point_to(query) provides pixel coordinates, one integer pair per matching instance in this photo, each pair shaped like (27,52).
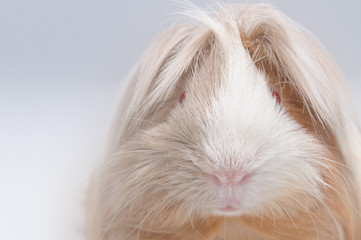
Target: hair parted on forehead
(242,89)
(278,46)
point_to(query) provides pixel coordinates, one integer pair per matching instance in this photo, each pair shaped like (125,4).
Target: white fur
(236,125)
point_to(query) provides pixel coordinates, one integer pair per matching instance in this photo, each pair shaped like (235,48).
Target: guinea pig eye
(277,96)
(182,97)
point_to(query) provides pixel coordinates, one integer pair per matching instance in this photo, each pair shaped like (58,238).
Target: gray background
(61,68)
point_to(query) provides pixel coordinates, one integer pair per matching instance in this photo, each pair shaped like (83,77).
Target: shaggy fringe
(297,65)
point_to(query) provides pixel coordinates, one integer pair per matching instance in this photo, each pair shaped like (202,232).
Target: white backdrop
(61,67)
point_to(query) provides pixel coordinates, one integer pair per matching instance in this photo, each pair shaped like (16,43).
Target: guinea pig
(237,125)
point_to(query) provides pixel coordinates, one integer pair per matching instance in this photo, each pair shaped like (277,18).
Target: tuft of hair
(294,62)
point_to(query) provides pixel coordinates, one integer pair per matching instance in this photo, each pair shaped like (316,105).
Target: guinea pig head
(238,116)
(228,145)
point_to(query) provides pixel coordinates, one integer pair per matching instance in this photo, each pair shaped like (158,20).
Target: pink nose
(226,178)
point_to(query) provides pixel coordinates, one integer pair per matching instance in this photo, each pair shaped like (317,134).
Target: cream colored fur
(303,153)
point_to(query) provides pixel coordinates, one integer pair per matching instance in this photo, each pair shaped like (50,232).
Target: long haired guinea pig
(236,126)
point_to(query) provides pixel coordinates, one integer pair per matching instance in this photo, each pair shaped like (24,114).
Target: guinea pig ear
(155,78)
(287,52)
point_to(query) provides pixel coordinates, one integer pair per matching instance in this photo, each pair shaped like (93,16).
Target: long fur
(304,152)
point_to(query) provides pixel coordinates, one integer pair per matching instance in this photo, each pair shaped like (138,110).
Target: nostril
(242,179)
(215,179)
(229,178)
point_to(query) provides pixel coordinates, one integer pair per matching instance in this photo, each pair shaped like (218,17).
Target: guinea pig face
(238,126)
(230,147)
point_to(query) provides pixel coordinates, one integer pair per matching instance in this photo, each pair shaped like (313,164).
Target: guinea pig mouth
(228,208)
